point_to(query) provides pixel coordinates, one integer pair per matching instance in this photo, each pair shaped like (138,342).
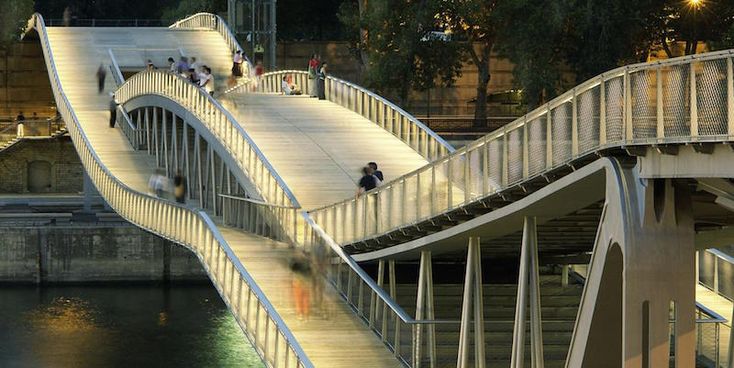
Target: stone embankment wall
(92,253)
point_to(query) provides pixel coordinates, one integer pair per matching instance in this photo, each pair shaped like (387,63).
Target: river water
(119,326)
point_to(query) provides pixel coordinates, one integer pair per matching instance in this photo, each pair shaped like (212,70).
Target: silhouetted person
(179,187)
(113,110)
(322,80)
(101,75)
(20,120)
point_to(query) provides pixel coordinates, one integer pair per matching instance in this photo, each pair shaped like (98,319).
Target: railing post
(627,107)
(548,138)
(574,125)
(602,112)
(659,102)
(730,95)
(694,101)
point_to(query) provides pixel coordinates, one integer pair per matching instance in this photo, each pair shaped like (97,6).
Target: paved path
(319,147)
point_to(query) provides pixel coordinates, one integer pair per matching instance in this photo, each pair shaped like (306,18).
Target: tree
(393,39)
(13,19)
(693,22)
(531,42)
(477,22)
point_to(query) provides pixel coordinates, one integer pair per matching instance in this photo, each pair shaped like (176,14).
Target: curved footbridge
(626,175)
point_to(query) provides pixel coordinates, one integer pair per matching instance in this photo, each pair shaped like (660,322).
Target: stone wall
(24,84)
(92,253)
(21,173)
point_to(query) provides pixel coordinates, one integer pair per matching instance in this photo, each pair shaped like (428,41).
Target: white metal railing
(682,100)
(187,226)
(375,108)
(219,122)
(215,22)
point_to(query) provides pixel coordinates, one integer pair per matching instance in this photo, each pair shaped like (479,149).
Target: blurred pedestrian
(182,66)
(149,65)
(300,287)
(171,65)
(158,183)
(195,65)
(237,60)
(179,187)
(67,16)
(367,182)
(20,121)
(113,110)
(206,80)
(101,75)
(377,173)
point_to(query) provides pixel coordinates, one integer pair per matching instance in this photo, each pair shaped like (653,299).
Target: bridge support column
(641,271)
(528,292)
(424,310)
(473,304)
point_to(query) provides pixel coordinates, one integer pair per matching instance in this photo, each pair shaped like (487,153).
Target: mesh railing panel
(561,135)
(614,105)
(495,163)
(537,137)
(711,97)
(514,155)
(706,262)
(587,116)
(676,101)
(644,107)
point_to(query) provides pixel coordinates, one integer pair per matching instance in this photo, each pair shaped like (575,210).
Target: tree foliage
(13,19)
(392,40)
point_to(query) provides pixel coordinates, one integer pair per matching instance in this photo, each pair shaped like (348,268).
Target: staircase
(559,307)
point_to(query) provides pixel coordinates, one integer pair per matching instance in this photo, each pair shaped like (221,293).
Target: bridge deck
(340,341)
(319,147)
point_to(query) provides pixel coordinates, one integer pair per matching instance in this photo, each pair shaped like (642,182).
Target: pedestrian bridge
(627,174)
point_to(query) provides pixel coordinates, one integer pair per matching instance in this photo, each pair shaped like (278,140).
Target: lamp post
(695,4)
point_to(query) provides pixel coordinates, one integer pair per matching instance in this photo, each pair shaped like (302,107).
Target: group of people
(197,73)
(317,70)
(160,185)
(371,178)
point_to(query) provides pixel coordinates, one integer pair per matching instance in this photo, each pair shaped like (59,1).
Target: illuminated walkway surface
(340,341)
(318,147)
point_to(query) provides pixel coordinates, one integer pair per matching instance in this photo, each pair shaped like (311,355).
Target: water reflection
(138,326)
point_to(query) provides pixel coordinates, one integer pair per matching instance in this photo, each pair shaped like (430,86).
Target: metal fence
(375,108)
(187,226)
(681,100)
(710,329)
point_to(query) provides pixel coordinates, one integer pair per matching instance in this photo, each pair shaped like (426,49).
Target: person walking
(237,60)
(322,80)
(101,75)
(20,121)
(113,110)
(149,65)
(171,65)
(179,187)
(206,80)
(377,173)
(367,182)
(313,71)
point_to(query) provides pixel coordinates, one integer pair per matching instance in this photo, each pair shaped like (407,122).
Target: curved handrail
(640,104)
(370,105)
(184,225)
(213,21)
(220,122)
